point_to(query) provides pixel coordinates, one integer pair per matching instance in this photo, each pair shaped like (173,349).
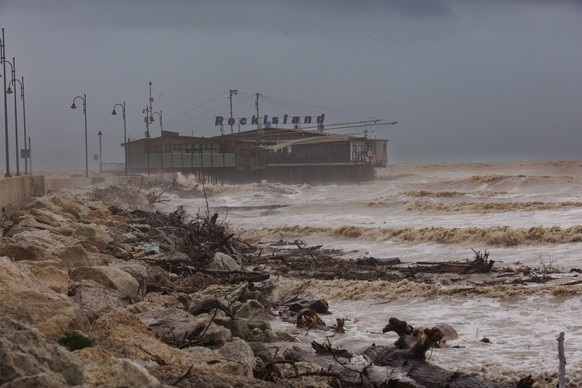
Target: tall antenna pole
(151,98)
(147,119)
(257,106)
(231,121)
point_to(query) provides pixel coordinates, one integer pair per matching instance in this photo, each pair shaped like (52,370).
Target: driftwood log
(207,306)
(481,264)
(327,349)
(373,261)
(562,358)
(306,317)
(421,372)
(419,339)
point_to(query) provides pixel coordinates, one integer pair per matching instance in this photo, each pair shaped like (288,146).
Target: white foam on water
(518,212)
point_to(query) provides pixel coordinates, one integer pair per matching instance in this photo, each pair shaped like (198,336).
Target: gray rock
(238,327)
(239,351)
(253,309)
(261,351)
(222,261)
(248,330)
(45,380)
(95,235)
(175,326)
(95,300)
(109,277)
(74,256)
(119,372)
(25,353)
(139,273)
(256,295)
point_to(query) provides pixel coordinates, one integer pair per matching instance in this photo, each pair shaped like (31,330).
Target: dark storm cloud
(257,15)
(465,79)
(404,7)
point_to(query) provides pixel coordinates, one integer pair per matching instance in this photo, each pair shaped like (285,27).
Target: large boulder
(19,251)
(239,351)
(178,327)
(228,295)
(109,277)
(138,271)
(94,299)
(253,309)
(23,297)
(125,336)
(74,256)
(43,379)
(42,240)
(28,359)
(118,372)
(261,351)
(222,261)
(92,234)
(184,377)
(51,274)
(50,219)
(155,301)
(247,329)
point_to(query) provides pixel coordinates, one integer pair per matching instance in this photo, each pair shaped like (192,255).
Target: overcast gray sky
(472,80)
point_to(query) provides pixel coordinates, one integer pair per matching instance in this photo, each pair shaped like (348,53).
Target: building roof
(278,138)
(309,140)
(271,134)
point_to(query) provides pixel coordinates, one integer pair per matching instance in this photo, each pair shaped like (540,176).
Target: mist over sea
(526,215)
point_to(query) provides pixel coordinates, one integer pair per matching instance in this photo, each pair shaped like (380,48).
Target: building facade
(286,155)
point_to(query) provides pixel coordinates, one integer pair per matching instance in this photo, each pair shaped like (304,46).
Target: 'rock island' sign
(286,119)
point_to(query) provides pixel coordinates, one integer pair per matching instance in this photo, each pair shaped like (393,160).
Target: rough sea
(526,215)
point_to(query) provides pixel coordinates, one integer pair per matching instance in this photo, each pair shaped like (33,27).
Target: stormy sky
(467,81)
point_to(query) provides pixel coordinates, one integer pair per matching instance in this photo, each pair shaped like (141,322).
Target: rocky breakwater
(79,305)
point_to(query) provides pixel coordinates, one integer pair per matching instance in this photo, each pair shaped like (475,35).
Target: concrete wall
(65,183)
(15,191)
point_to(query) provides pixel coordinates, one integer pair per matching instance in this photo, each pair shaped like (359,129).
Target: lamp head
(114,112)
(73,106)
(9,91)
(100,134)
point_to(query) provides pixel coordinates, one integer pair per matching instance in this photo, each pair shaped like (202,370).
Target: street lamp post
(15,114)
(73,106)
(161,138)
(9,91)
(100,156)
(30,154)
(3,61)
(161,124)
(122,105)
